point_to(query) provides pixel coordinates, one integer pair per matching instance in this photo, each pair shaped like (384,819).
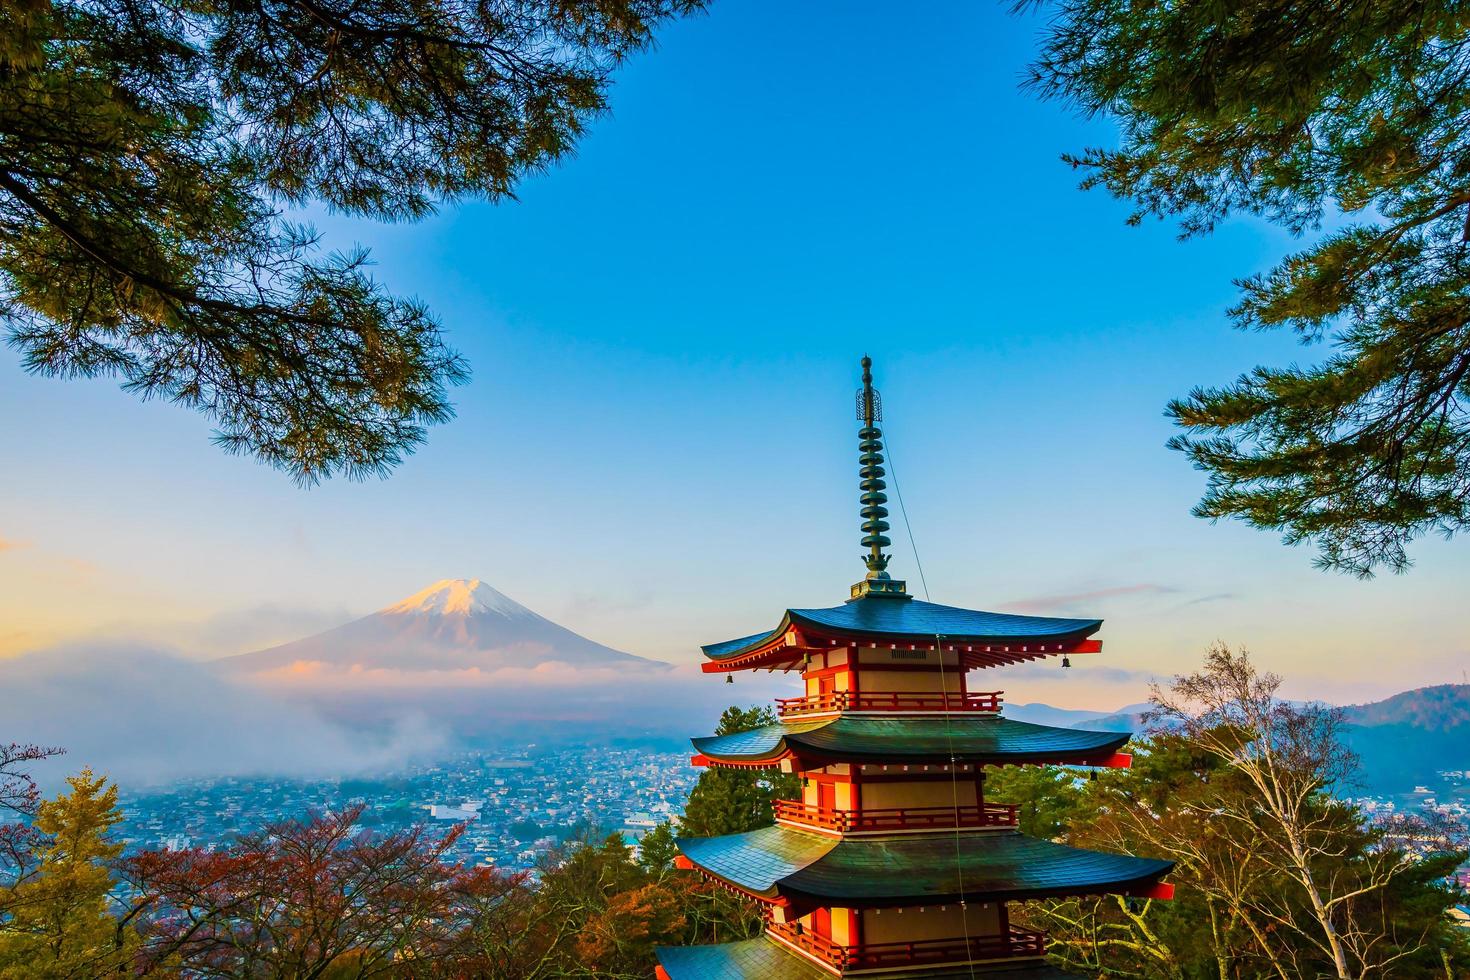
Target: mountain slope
(1128,718)
(1438,708)
(1404,740)
(1401,741)
(1038,713)
(455,624)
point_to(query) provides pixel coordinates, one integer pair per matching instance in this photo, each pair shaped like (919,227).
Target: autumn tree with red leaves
(20,799)
(596,912)
(322,898)
(307,898)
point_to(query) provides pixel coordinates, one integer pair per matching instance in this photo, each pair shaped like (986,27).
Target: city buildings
(525,801)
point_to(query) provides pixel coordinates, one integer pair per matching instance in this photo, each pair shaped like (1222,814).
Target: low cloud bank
(144,717)
(550,702)
(147,717)
(339,677)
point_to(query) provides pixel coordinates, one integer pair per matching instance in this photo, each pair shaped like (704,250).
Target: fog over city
(456,665)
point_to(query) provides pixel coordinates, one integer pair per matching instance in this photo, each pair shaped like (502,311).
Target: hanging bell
(1066,661)
(729,678)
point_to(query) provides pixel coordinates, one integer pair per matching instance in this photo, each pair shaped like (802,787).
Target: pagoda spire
(890,862)
(874,501)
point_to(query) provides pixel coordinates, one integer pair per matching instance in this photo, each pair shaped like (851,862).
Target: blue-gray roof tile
(887,616)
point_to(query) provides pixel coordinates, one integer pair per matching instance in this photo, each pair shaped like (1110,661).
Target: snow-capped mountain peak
(457,597)
(454,624)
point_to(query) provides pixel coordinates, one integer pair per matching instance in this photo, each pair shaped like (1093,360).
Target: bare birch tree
(1291,758)
(1277,875)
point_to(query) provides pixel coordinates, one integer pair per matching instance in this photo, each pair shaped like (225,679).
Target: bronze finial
(874,500)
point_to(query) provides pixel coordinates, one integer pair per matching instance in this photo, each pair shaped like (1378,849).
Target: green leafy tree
(732,801)
(149,150)
(525,830)
(1047,798)
(1298,113)
(656,851)
(56,924)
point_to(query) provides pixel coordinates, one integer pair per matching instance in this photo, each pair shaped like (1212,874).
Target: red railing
(897,818)
(889,701)
(924,952)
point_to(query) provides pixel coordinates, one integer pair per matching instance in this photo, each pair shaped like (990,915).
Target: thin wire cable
(903,512)
(954,766)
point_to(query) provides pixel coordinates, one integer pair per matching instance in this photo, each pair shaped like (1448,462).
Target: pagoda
(894,864)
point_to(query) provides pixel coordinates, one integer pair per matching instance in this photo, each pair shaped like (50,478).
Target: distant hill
(1044,714)
(1444,706)
(455,624)
(1404,740)
(1128,718)
(1125,719)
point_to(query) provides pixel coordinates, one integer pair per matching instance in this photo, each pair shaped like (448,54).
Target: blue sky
(657,447)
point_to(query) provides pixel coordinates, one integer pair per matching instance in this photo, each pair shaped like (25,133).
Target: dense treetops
(732,801)
(1354,111)
(150,149)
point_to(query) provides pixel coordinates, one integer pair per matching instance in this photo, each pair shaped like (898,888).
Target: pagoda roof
(984,739)
(812,870)
(893,618)
(764,959)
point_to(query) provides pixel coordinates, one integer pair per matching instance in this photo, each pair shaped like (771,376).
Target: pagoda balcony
(1017,943)
(895,819)
(836,702)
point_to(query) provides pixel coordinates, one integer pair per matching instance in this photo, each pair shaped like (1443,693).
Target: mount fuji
(454,625)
